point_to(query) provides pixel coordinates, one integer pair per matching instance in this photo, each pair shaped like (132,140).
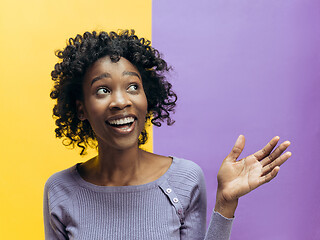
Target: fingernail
(287,142)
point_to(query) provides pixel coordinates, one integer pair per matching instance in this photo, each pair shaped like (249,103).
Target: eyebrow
(108,75)
(104,75)
(131,74)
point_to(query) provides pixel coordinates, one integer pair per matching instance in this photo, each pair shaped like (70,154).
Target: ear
(81,110)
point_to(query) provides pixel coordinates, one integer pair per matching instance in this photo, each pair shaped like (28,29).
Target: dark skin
(113,92)
(237,178)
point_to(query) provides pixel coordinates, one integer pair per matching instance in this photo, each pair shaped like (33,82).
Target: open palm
(237,178)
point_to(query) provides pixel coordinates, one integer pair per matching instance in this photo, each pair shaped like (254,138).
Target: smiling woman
(114,103)
(80,54)
(107,86)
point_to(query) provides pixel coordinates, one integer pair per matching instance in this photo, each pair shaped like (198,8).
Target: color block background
(30,33)
(247,67)
(240,67)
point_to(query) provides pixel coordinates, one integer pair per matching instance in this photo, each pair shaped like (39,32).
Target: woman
(107,86)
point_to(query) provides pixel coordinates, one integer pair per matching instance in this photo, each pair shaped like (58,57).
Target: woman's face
(114,102)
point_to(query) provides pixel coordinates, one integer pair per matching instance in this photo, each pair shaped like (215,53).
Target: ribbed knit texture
(172,207)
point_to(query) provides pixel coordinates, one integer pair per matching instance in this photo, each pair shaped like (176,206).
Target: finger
(267,149)
(268,177)
(276,163)
(237,149)
(275,154)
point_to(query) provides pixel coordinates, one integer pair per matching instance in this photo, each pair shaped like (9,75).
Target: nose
(120,100)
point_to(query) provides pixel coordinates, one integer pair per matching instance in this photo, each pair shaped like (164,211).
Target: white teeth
(122,121)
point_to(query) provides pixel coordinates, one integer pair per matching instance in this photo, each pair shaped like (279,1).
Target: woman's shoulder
(185,175)
(186,180)
(186,168)
(176,167)
(62,181)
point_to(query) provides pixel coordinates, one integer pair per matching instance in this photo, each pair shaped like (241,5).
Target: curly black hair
(81,52)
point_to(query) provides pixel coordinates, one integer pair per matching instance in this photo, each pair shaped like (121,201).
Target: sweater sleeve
(194,224)
(53,227)
(219,227)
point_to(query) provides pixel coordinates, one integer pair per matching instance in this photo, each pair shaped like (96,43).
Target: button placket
(174,201)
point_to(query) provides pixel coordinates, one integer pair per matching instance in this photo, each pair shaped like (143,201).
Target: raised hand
(237,178)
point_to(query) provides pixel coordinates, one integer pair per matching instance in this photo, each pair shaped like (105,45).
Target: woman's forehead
(105,66)
(106,63)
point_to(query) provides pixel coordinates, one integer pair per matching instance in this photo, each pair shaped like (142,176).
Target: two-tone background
(247,67)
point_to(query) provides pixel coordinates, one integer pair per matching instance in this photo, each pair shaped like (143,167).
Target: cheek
(95,108)
(144,104)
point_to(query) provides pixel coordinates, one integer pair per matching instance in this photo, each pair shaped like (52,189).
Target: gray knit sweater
(172,207)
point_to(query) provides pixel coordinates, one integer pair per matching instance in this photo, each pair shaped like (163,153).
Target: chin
(119,144)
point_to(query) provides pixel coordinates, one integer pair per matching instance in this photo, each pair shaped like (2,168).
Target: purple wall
(252,68)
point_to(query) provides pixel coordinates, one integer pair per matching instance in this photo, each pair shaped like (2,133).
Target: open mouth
(124,124)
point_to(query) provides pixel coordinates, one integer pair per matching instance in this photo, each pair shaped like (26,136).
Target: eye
(133,88)
(102,91)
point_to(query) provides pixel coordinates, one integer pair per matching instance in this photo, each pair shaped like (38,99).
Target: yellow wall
(30,31)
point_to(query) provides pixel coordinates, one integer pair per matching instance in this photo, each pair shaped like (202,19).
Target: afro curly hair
(80,53)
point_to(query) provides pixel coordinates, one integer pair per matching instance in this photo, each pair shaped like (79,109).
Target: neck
(115,167)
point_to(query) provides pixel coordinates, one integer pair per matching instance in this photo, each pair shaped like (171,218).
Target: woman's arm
(53,227)
(237,178)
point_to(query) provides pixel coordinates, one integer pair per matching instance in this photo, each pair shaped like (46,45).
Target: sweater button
(168,190)
(175,200)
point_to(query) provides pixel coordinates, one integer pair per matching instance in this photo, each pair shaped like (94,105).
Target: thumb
(237,149)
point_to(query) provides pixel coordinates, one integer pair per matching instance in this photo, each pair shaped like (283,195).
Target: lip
(123,131)
(119,116)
